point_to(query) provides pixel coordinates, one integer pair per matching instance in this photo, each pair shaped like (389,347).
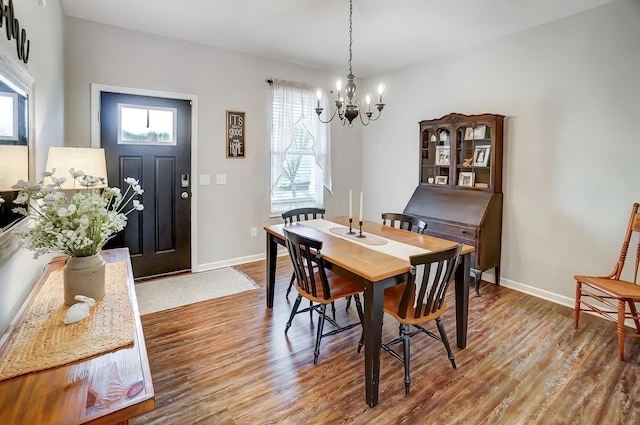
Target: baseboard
(235,261)
(536,292)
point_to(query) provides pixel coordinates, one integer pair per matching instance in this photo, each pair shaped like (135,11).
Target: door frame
(96,89)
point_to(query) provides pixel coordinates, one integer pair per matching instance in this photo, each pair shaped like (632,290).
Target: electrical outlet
(254,232)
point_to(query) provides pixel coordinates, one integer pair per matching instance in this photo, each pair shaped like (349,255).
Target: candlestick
(360,235)
(350,206)
(351,232)
(360,216)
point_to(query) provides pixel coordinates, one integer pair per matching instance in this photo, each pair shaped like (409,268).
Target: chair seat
(392,297)
(340,288)
(612,287)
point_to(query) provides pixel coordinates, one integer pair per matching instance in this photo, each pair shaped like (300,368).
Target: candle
(350,206)
(360,218)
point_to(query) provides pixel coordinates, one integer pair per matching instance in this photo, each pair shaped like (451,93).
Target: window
(146,125)
(300,155)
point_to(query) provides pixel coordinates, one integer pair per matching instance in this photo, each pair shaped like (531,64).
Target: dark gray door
(159,238)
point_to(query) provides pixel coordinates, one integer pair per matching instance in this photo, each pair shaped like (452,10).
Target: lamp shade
(15,166)
(89,160)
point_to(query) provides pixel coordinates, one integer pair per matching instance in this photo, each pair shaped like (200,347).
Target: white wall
(570,91)
(222,80)
(44,26)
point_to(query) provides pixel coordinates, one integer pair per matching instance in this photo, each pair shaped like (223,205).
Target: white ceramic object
(79,311)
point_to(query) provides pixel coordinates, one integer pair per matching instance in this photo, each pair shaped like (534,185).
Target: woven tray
(41,341)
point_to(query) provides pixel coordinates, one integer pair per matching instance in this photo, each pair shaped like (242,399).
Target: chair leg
(445,341)
(621,311)
(406,353)
(316,352)
(293,278)
(333,310)
(576,313)
(361,316)
(634,313)
(296,304)
(348,303)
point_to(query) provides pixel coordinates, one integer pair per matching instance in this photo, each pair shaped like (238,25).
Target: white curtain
(298,102)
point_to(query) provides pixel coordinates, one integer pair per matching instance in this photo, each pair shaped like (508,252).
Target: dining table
(359,260)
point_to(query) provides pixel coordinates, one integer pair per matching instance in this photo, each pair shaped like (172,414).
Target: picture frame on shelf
(480,132)
(466,178)
(442,155)
(481,156)
(442,179)
(468,133)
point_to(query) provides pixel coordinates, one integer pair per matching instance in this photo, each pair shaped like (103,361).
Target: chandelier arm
(329,120)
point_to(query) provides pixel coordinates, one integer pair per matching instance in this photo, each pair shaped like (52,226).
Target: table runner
(393,248)
(41,341)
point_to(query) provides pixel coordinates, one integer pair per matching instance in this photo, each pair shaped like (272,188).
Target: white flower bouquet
(80,223)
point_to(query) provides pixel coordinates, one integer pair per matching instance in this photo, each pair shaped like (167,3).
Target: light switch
(205,179)
(221,179)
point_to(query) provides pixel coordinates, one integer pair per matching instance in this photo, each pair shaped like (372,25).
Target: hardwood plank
(524,364)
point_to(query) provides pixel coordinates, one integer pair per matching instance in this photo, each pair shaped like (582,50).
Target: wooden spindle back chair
(613,294)
(404,221)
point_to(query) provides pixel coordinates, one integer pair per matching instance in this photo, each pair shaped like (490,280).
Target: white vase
(84,276)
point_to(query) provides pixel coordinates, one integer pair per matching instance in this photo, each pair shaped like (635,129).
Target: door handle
(184,195)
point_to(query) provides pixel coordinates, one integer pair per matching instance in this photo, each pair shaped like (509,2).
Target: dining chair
(612,293)
(404,221)
(320,286)
(421,300)
(300,214)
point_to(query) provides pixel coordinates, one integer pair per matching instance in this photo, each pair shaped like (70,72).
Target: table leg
(272,255)
(462,299)
(373,313)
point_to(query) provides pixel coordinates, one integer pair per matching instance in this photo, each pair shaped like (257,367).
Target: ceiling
(386,35)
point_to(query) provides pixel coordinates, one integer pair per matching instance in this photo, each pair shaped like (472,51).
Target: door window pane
(146,125)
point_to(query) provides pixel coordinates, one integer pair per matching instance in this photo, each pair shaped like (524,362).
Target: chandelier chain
(350,33)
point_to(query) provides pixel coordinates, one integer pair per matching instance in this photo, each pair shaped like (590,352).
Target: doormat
(175,291)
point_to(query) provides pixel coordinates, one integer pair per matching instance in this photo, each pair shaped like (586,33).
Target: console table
(88,390)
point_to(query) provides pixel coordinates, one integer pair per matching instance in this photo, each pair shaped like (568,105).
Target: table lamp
(15,166)
(90,160)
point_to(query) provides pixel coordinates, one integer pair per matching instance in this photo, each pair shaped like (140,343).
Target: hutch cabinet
(459,195)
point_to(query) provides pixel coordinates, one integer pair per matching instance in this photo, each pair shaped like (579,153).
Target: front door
(149,139)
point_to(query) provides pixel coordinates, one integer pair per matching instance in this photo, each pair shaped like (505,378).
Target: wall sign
(13,30)
(235,134)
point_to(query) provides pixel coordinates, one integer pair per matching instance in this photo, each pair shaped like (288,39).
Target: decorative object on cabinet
(465,178)
(471,212)
(442,155)
(481,156)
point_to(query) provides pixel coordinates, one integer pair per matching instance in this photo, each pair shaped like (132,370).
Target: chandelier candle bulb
(368,99)
(380,90)
(319,96)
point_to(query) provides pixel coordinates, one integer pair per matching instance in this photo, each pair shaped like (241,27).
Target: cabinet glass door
(435,155)
(473,154)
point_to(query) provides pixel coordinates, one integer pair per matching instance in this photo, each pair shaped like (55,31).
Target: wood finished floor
(524,364)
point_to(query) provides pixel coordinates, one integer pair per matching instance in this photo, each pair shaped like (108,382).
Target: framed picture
(480,132)
(442,179)
(481,156)
(442,155)
(466,178)
(468,133)
(235,134)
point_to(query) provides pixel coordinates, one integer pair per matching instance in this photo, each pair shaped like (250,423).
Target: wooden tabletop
(110,388)
(367,263)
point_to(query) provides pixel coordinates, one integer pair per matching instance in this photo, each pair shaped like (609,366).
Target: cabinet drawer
(454,230)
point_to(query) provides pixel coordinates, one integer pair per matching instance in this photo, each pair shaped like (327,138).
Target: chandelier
(349,110)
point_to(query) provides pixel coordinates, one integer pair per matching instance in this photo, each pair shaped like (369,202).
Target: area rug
(170,292)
